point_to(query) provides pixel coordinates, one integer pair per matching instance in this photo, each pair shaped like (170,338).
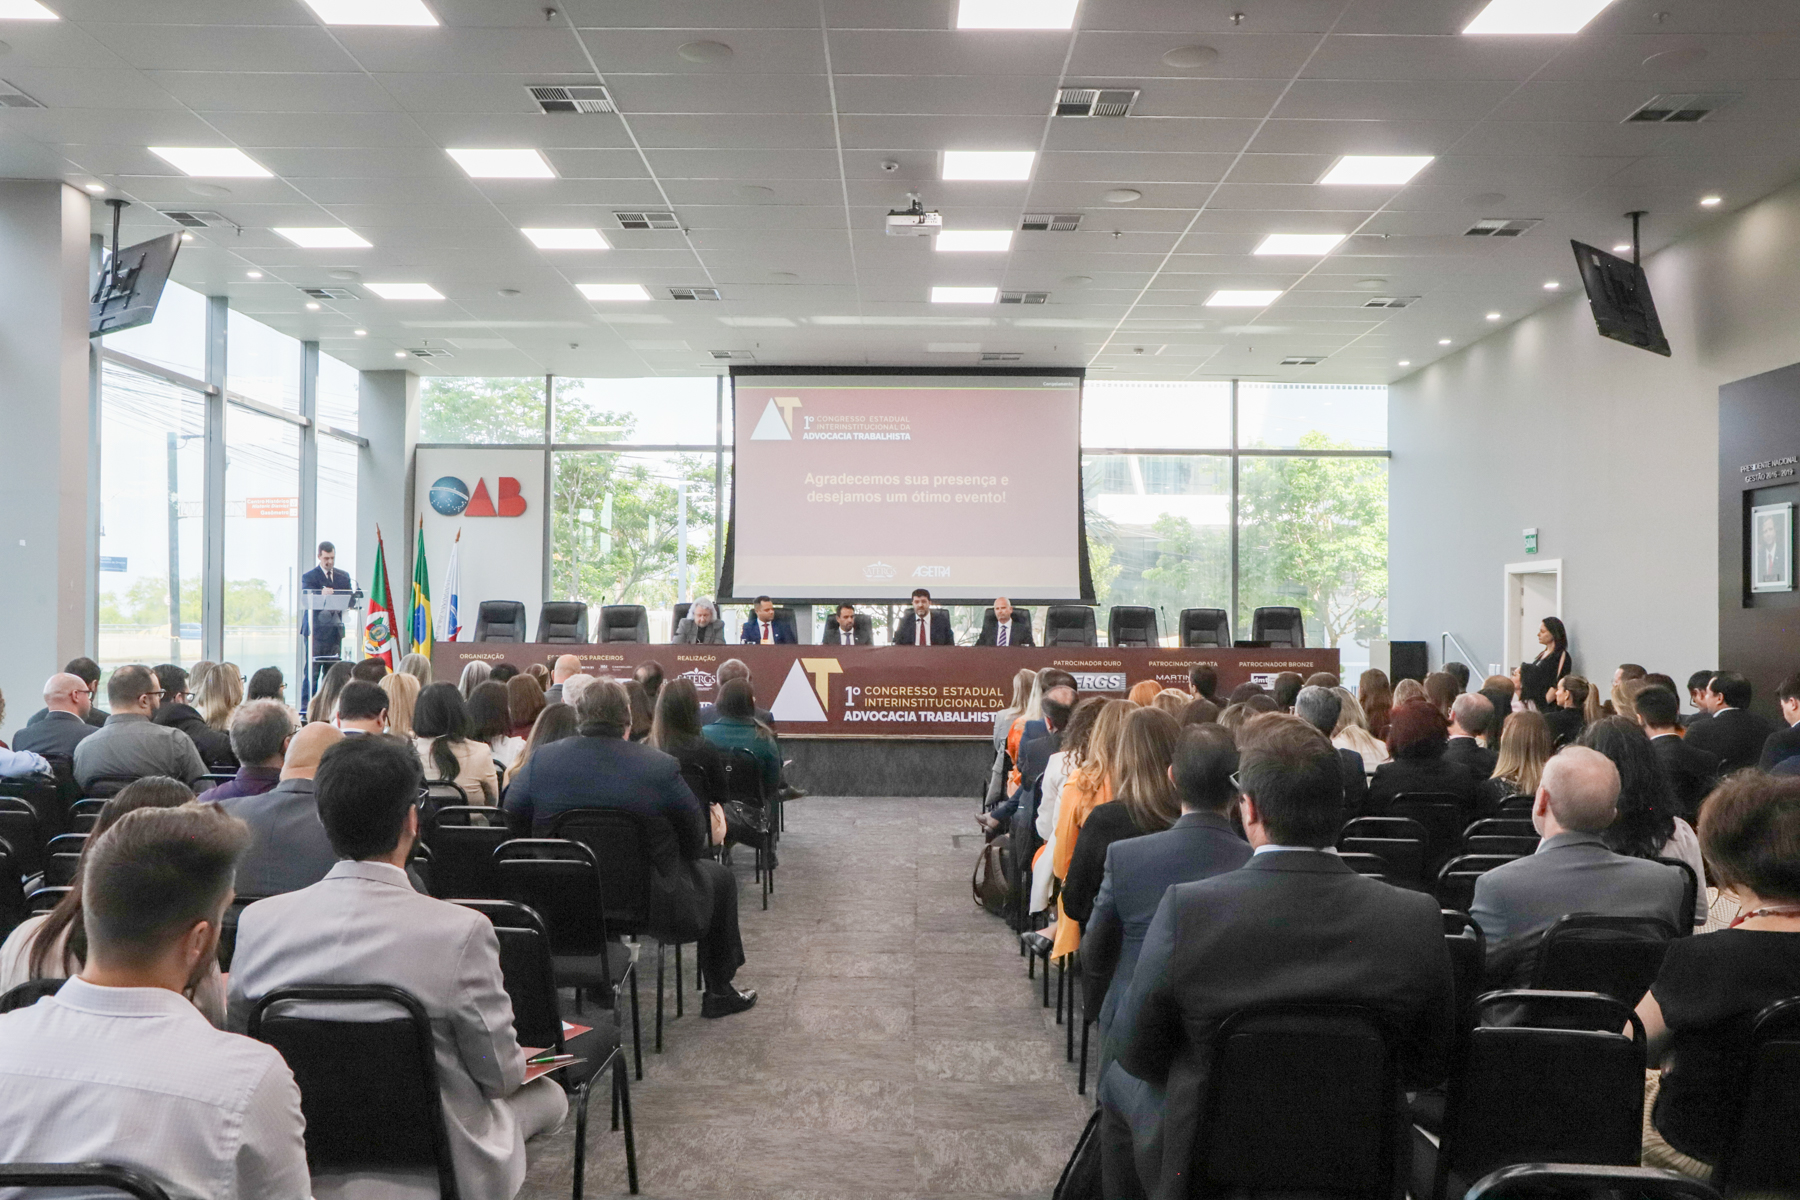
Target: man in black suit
(602,769)
(1139,870)
(325,628)
(1696,686)
(1293,924)
(1734,733)
(1320,708)
(841,630)
(1034,756)
(1005,627)
(88,671)
(1784,743)
(1470,714)
(762,627)
(924,625)
(63,722)
(1692,773)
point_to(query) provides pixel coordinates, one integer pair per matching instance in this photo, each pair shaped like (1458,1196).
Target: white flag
(447,627)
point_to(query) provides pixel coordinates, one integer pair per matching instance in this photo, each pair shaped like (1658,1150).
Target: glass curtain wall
(262,540)
(338,392)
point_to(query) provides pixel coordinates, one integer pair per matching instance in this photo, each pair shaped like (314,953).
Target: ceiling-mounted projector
(914,221)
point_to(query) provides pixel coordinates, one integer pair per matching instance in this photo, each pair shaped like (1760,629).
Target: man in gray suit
(701,626)
(841,630)
(364,924)
(288,846)
(1572,870)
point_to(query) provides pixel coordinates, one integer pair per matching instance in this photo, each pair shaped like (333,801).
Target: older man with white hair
(701,626)
(1572,870)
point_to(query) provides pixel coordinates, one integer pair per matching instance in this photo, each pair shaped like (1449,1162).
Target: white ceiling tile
(224,47)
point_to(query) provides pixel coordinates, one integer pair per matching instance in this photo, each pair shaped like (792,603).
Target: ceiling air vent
(1303,360)
(647,220)
(1502,227)
(431,352)
(194,220)
(1050,222)
(1095,102)
(1024,297)
(1678,110)
(689,293)
(556,99)
(733,355)
(1388,301)
(329,293)
(12,97)
(1002,356)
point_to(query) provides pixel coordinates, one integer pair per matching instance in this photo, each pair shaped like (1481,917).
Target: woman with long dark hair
(735,727)
(1538,676)
(676,730)
(323,705)
(1376,695)
(1646,826)
(1143,801)
(490,721)
(441,735)
(555,723)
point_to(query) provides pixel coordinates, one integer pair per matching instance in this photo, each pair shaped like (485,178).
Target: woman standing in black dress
(1538,676)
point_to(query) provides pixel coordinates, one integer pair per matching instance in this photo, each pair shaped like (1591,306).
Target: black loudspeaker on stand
(1408,660)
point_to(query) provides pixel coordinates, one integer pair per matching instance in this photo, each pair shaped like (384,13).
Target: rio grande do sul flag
(378,628)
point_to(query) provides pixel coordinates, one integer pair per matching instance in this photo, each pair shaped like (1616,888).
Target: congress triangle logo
(772,428)
(797,700)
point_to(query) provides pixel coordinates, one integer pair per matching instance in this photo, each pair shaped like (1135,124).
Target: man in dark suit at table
(325,628)
(841,630)
(1734,733)
(1470,713)
(763,629)
(1692,773)
(924,625)
(1005,627)
(1784,743)
(1292,924)
(1696,686)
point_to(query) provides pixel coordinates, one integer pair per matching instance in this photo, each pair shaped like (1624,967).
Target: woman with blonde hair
(474,674)
(1172,701)
(1003,723)
(219,695)
(402,690)
(197,675)
(1525,746)
(1352,732)
(1088,787)
(1141,694)
(418,666)
(1376,697)
(1408,691)
(323,705)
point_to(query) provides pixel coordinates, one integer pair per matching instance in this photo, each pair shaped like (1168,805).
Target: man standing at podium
(325,629)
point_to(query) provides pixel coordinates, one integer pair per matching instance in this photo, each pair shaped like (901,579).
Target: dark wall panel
(1759,463)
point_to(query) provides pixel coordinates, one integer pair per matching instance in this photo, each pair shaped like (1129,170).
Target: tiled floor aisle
(897,1051)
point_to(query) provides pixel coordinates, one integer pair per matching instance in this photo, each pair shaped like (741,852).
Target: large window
(482,411)
(262,540)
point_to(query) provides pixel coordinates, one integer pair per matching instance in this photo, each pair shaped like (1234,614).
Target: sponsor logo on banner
(802,698)
(451,497)
(1264,680)
(703,681)
(777,422)
(1099,681)
(931,573)
(878,570)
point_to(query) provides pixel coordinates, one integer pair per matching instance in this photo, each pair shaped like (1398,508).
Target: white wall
(502,557)
(1611,452)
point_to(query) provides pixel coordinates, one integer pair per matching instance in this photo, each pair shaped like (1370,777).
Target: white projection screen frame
(862,484)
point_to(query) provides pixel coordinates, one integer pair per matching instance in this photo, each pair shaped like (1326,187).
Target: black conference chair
(788,620)
(20,826)
(228,928)
(862,627)
(1070,625)
(1278,627)
(1364,863)
(463,838)
(61,853)
(1205,627)
(1468,955)
(1692,892)
(1764,1154)
(45,796)
(29,993)
(1301,1098)
(623,623)
(83,814)
(1511,847)
(42,900)
(500,621)
(563,622)
(1456,878)
(1615,956)
(350,1070)
(1442,816)
(744,783)
(65,1177)
(12,892)
(1131,625)
(990,624)
(1549,1181)
(1399,841)
(1501,827)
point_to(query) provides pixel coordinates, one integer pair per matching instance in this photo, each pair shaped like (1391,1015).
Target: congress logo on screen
(777,423)
(878,570)
(451,497)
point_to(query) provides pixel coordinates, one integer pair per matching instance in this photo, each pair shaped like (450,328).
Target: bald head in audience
(1579,793)
(68,693)
(1470,715)
(303,752)
(566,665)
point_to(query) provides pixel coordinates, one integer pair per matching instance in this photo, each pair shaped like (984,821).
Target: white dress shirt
(1056,773)
(137,1077)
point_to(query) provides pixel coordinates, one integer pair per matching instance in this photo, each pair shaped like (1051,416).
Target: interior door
(1537,600)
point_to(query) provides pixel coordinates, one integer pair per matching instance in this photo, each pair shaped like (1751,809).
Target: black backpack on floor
(1081,1175)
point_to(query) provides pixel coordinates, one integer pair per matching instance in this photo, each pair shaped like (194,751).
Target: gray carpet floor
(897,1050)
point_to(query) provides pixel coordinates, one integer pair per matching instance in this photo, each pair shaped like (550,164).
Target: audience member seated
(490,722)
(1696,689)
(260,730)
(1376,697)
(1417,734)
(1441,689)
(364,924)
(1057,770)
(502,673)
(53,945)
(555,723)
(1028,725)
(701,626)
(735,727)
(402,691)
(1499,691)
(441,735)
(1034,758)
(288,847)
(1566,710)
(1692,773)
(323,705)
(1244,691)
(1287,687)
(1784,743)
(1351,732)
(1023,679)
(1458,671)
(1646,826)
(266,683)
(1409,691)
(600,769)
(1144,801)
(643,715)
(1470,716)
(1293,924)
(1199,845)
(649,675)
(1173,701)
(88,671)
(1572,871)
(1203,681)
(524,701)
(17,764)
(1143,692)
(419,667)
(1200,711)
(217,696)
(1320,707)
(1698,1012)
(370,670)
(730,669)
(60,726)
(131,746)
(474,674)
(1087,789)
(1732,732)
(676,731)
(1525,747)
(175,712)
(565,666)
(119,1066)
(362,709)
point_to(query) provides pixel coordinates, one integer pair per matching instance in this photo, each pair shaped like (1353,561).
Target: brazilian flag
(421,599)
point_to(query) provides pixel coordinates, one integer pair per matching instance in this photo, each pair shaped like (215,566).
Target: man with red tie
(924,625)
(763,629)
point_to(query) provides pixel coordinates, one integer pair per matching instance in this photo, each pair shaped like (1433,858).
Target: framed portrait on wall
(1772,548)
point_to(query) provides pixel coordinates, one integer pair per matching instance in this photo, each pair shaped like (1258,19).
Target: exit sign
(1531,541)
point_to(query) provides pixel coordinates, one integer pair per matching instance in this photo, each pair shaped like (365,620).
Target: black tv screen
(1619,294)
(131,287)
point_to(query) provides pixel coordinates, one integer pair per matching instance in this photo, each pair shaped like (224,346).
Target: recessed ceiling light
(988,164)
(406,291)
(1016,14)
(503,164)
(217,162)
(1376,170)
(399,354)
(324,237)
(1535,16)
(362,333)
(372,12)
(1443,341)
(95,188)
(1493,316)
(1300,243)
(1622,248)
(1241,299)
(25,10)
(566,239)
(613,291)
(312,306)
(1709,201)
(252,274)
(974,239)
(187,237)
(964,295)
(1406,362)
(1550,285)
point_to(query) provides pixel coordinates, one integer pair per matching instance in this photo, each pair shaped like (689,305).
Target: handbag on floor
(1081,1174)
(992,881)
